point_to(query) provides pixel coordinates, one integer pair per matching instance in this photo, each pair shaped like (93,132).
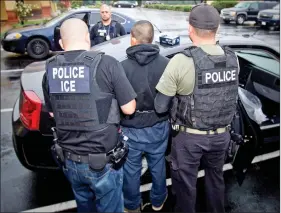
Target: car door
(259,74)
(263,80)
(94,18)
(80,15)
(253,11)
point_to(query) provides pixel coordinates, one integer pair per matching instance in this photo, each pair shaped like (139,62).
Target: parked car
(270,18)
(259,74)
(39,40)
(245,11)
(130,4)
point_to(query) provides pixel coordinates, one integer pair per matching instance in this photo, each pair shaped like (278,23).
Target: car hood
(25,29)
(270,11)
(232,9)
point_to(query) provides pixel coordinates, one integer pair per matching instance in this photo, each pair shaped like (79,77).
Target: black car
(245,11)
(39,40)
(259,74)
(130,4)
(270,18)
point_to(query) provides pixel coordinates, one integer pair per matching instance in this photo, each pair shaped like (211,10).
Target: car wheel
(119,6)
(132,6)
(38,48)
(240,19)
(226,21)
(271,28)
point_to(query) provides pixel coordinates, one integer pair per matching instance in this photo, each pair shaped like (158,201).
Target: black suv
(245,11)
(270,18)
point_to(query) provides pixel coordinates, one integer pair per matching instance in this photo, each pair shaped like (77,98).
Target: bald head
(105,12)
(74,32)
(143,32)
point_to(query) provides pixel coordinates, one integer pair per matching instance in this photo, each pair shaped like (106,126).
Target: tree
(76,3)
(23,11)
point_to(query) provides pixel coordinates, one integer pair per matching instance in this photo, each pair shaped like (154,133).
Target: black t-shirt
(97,37)
(111,78)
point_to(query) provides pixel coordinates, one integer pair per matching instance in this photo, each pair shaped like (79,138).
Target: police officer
(106,29)
(202,83)
(146,130)
(83,89)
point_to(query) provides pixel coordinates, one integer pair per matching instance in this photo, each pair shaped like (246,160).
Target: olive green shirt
(179,75)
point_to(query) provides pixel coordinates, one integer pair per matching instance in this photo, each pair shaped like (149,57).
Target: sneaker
(160,207)
(128,211)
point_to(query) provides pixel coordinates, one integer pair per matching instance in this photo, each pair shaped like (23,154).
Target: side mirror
(57,28)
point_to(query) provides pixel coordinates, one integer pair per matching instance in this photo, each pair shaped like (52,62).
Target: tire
(37,48)
(226,21)
(271,28)
(132,6)
(119,6)
(240,19)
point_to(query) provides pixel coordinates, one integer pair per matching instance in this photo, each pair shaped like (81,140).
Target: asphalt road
(22,189)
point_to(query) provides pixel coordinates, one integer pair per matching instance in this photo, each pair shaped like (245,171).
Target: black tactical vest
(101,33)
(77,101)
(213,102)
(145,114)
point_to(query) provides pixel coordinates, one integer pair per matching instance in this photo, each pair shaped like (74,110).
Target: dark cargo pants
(186,153)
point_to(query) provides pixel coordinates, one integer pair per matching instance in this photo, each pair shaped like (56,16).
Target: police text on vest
(219,76)
(72,72)
(69,79)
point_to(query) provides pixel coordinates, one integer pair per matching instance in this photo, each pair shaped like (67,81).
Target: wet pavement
(22,189)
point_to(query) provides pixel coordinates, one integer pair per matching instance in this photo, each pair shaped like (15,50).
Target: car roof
(117,46)
(86,9)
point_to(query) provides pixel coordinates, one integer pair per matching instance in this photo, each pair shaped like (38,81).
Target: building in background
(44,9)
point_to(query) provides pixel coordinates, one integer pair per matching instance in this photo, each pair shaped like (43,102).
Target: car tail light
(30,110)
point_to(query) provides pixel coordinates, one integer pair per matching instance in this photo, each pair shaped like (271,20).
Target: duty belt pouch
(59,152)
(97,162)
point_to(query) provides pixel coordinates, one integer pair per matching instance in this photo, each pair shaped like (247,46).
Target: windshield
(276,7)
(261,59)
(242,5)
(56,19)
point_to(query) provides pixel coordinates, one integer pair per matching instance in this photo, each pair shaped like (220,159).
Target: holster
(58,156)
(237,138)
(97,162)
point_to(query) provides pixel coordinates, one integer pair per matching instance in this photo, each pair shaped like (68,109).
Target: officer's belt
(201,132)
(81,158)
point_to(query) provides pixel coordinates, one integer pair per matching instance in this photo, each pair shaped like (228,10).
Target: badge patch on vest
(69,79)
(220,76)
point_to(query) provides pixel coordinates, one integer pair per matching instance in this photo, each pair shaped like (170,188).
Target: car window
(118,18)
(254,6)
(277,7)
(95,18)
(57,19)
(262,59)
(242,5)
(263,6)
(81,16)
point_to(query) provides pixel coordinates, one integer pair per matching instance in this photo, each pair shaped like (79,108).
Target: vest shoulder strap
(188,50)
(92,57)
(113,23)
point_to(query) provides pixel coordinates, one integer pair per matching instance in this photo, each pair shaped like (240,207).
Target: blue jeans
(153,142)
(95,191)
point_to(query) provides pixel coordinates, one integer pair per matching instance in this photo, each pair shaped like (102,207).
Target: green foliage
(76,3)
(184,8)
(61,7)
(220,4)
(23,11)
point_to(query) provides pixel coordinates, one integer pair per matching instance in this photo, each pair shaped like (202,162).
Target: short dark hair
(143,31)
(202,33)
